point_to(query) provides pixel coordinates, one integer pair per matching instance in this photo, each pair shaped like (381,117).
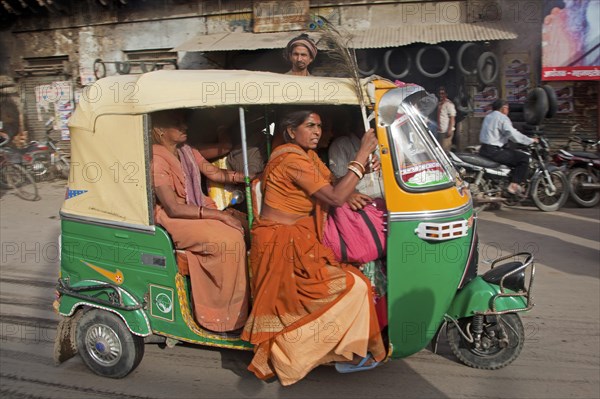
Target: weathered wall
(93,31)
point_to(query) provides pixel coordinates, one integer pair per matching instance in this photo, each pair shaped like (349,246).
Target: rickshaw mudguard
(479,296)
(88,293)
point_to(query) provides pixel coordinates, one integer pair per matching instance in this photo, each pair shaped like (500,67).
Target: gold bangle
(356,171)
(233,177)
(360,165)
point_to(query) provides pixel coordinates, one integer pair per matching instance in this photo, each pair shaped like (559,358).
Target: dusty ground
(561,357)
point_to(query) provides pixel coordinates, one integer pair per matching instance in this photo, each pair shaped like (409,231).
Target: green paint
(114,248)
(422,280)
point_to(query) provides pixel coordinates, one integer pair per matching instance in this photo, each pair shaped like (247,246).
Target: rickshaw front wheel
(106,345)
(499,343)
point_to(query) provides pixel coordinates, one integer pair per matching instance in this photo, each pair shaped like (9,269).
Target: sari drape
(216,252)
(299,288)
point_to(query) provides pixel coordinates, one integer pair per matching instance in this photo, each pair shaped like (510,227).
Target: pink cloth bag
(357,236)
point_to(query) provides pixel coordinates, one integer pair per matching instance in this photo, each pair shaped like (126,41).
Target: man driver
(496,132)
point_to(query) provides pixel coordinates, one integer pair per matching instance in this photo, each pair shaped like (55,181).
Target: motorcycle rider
(496,132)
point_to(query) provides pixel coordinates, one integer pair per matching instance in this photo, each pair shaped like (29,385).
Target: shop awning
(380,37)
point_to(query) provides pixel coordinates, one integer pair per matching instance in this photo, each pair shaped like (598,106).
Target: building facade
(50,50)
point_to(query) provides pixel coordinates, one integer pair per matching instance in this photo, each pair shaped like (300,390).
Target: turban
(302,40)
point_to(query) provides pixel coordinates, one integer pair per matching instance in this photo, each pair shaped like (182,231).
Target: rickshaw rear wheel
(106,345)
(494,355)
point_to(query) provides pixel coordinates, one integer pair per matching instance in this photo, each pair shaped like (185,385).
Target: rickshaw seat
(182,262)
(256,194)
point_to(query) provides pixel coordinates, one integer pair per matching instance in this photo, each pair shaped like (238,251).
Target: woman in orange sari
(308,308)
(213,239)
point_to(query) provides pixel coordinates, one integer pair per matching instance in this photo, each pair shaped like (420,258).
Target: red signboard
(571,73)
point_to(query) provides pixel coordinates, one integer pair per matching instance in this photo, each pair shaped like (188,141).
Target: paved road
(561,357)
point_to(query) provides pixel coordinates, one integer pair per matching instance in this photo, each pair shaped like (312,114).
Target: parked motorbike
(546,185)
(35,157)
(583,169)
(45,161)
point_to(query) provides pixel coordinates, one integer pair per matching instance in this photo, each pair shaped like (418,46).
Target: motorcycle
(546,185)
(45,161)
(34,157)
(583,170)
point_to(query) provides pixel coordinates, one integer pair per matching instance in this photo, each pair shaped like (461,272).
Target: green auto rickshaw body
(116,258)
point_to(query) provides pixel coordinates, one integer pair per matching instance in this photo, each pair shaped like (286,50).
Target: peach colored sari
(216,252)
(308,308)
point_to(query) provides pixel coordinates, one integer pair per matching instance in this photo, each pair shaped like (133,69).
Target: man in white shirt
(496,132)
(446,119)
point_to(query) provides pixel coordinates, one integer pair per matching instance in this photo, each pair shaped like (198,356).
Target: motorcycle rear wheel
(583,198)
(494,356)
(542,196)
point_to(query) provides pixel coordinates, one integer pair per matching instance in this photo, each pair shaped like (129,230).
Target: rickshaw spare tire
(516,116)
(484,62)
(552,101)
(536,106)
(123,68)
(515,107)
(442,51)
(464,103)
(147,66)
(388,60)
(99,68)
(372,63)
(106,345)
(467,71)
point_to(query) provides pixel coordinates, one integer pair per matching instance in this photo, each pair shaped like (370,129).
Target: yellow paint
(116,277)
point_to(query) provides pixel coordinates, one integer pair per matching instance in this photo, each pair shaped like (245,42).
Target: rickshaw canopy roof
(110,171)
(154,91)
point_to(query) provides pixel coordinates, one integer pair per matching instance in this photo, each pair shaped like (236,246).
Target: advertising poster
(62,113)
(482,102)
(571,40)
(564,95)
(516,77)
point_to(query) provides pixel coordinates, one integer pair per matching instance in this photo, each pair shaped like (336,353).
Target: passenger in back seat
(212,239)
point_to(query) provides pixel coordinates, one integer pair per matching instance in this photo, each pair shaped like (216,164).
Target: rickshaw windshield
(419,164)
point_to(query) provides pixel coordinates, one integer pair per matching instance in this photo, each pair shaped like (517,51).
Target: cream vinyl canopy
(110,144)
(141,94)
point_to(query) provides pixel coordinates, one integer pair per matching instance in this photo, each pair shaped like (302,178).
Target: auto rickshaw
(121,285)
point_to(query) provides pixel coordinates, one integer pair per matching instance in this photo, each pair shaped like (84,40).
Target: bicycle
(14,176)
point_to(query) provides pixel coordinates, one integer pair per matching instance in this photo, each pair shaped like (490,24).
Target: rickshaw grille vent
(432,231)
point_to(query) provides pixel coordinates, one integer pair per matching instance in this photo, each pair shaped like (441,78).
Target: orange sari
(216,252)
(308,308)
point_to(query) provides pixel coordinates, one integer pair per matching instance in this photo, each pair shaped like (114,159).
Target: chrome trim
(429,215)
(92,305)
(95,305)
(108,223)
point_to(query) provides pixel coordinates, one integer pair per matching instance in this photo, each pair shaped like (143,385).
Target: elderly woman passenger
(213,239)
